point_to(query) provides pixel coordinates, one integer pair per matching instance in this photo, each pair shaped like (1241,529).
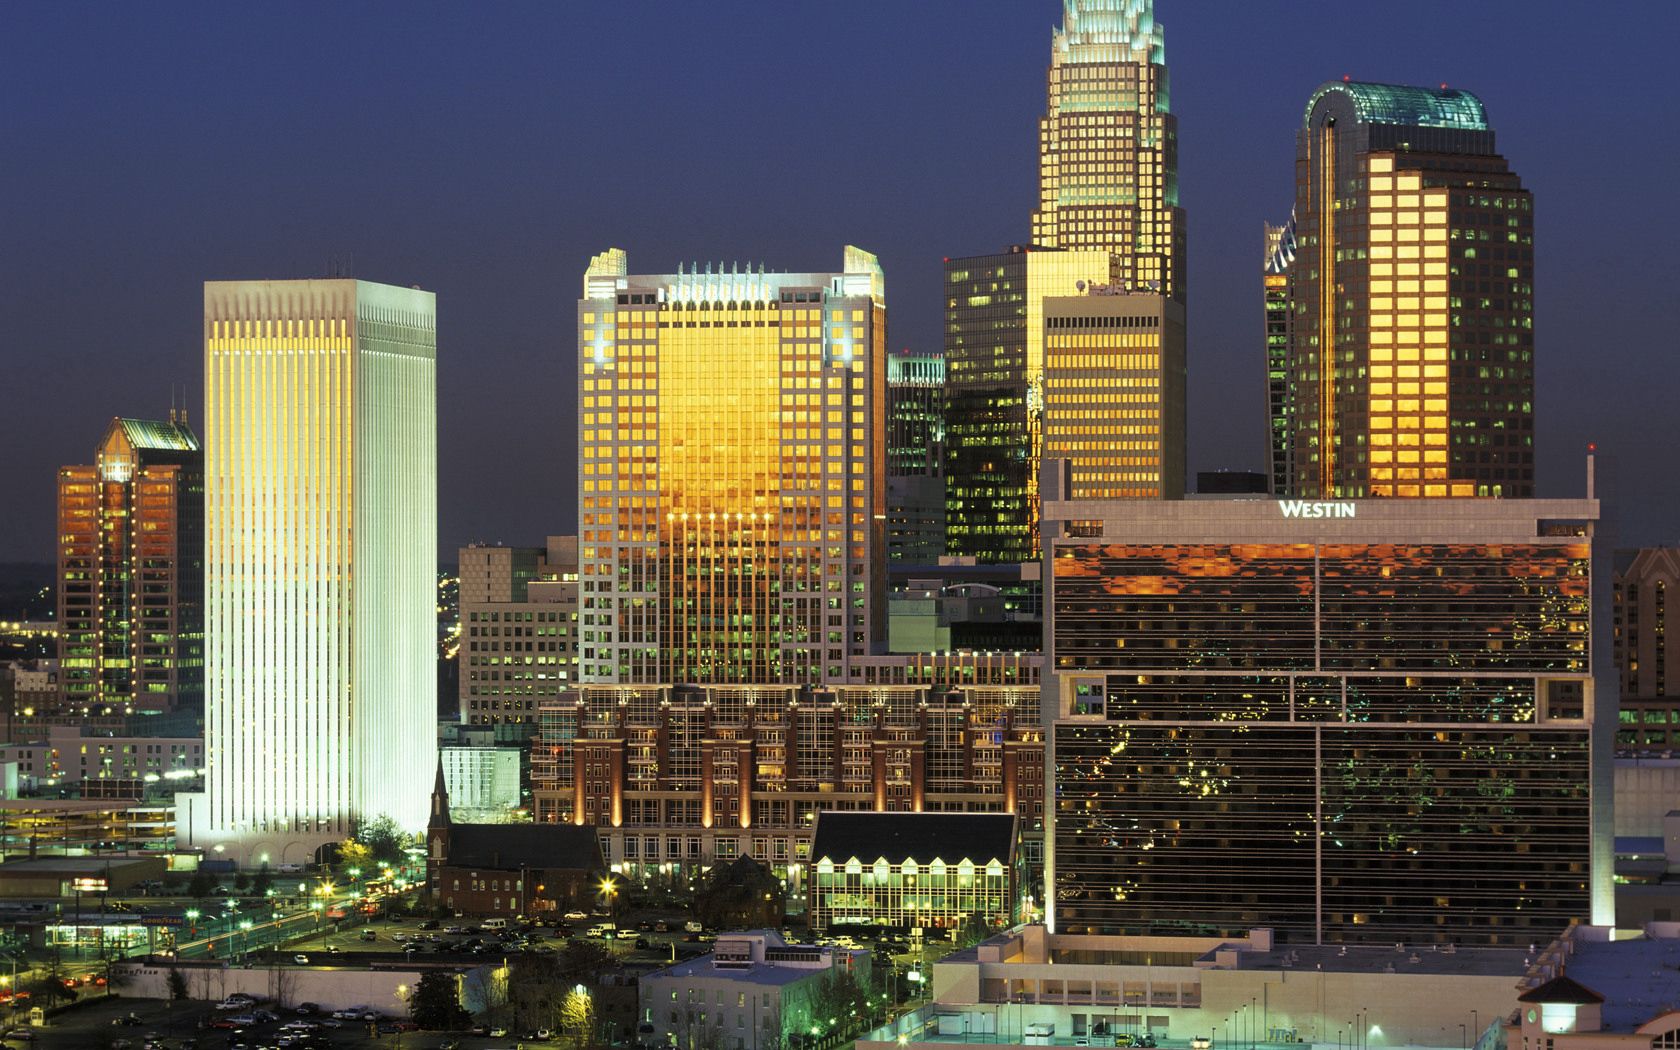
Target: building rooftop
(1639,977)
(767,974)
(158,434)
(742,957)
(1411,106)
(1413,959)
(1560,989)
(922,837)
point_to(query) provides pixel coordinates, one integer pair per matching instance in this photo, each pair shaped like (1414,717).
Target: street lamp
(192,922)
(609,889)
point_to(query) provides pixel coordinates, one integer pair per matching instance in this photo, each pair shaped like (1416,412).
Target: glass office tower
(321,513)
(1417,252)
(732,473)
(915,457)
(994,392)
(131,573)
(1374,720)
(1108,145)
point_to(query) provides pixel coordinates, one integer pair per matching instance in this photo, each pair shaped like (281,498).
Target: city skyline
(198,217)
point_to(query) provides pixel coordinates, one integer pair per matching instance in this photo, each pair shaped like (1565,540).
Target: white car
(301,959)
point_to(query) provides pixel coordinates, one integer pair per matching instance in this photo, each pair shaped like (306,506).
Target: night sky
(485,151)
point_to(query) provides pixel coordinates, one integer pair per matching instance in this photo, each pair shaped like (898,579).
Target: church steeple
(437,830)
(440,801)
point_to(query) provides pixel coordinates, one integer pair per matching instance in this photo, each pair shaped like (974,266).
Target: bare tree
(694,1032)
(770,1036)
(282,985)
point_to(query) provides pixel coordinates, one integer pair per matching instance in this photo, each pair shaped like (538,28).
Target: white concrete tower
(321,523)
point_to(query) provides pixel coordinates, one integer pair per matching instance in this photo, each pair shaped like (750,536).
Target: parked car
(369,935)
(575,916)
(308,1009)
(301,959)
(429,924)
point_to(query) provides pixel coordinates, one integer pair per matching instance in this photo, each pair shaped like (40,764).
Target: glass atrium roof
(157,434)
(1411,106)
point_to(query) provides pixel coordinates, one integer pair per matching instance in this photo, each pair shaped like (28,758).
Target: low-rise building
(753,992)
(70,876)
(916,870)
(1595,988)
(1031,987)
(105,764)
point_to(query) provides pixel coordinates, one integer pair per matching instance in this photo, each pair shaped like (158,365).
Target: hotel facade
(1351,721)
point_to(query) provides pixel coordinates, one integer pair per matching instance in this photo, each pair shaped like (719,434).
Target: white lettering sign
(1306,508)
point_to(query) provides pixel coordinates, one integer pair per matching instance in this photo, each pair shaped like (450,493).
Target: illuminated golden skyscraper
(1415,249)
(732,475)
(1108,145)
(320,444)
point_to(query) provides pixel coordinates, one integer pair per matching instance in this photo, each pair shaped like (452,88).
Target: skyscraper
(732,472)
(321,513)
(915,457)
(1417,251)
(1108,217)
(1274,280)
(1114,393)
(131,572)
(1108,145)
(994,393)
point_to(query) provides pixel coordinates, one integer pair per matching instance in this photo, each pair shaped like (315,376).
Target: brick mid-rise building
(680,776)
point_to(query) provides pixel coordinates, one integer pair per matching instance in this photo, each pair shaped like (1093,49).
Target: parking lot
(133,1024)
(463,941)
